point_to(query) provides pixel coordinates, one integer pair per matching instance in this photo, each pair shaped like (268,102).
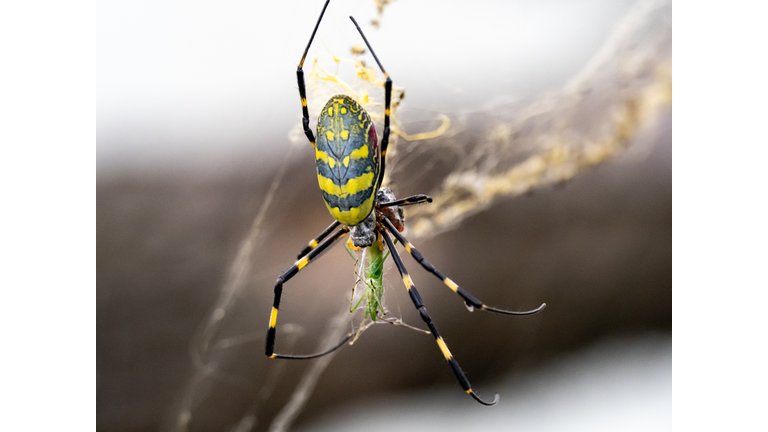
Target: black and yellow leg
(387,103)
(302,87)
(314,242)
(469,299)
(416,299)
(285,277)
(416,199)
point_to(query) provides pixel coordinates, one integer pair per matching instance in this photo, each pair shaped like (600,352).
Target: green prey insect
(350,169)
(372,267)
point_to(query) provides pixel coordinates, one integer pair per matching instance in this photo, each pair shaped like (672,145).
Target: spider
(350,169)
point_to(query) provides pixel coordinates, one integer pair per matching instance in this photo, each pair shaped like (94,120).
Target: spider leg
(416,199)
(416,299)
(300,79)
(314,242)
(387,100)
(468,298)
(285,277)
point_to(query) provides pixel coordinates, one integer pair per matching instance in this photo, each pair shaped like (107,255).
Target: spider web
(519,147)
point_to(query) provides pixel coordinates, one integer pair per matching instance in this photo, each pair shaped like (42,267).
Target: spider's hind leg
(387,103)
(302,86)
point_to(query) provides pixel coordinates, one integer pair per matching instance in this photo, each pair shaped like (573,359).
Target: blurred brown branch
(594,118)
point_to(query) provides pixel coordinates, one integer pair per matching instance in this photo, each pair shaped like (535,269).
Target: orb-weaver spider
(350,169)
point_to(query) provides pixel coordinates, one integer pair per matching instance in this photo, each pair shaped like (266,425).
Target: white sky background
(615,385)
(188,80)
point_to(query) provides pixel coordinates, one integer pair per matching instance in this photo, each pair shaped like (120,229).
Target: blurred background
(552,184)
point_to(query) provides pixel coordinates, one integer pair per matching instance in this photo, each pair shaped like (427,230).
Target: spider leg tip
(482,402)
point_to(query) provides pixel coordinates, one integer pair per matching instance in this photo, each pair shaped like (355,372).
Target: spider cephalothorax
(364,234)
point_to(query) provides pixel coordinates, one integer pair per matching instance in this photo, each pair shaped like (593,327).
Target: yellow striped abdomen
(347,159)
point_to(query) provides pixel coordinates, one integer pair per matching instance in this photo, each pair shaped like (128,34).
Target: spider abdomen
(347,158)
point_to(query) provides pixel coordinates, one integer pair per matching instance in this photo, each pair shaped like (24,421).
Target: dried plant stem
(336,330)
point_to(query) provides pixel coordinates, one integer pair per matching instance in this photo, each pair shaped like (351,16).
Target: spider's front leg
(416,299)
(316,241)
(285,277)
